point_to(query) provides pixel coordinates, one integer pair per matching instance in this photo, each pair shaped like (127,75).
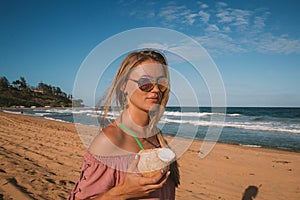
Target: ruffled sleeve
(99,174)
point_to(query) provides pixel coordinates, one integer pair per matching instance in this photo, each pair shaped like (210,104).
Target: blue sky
(255,44)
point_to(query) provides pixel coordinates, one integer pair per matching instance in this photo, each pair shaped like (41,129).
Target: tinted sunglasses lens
(145,84)
(162,84)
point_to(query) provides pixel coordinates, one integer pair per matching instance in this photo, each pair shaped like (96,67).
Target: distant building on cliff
(39,91)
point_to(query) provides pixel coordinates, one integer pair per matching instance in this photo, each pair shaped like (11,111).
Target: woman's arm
(135,185)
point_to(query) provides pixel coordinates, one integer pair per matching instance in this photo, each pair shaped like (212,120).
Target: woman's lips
(153,99)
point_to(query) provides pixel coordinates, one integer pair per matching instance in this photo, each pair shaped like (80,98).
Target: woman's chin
(153,107)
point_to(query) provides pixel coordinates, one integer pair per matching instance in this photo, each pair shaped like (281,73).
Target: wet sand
(41,159)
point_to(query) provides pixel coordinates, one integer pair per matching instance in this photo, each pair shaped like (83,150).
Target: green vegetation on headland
(19,93)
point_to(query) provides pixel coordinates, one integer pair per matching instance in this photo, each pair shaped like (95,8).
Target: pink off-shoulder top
(101,173)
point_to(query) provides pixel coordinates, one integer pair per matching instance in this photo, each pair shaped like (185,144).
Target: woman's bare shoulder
(107,142)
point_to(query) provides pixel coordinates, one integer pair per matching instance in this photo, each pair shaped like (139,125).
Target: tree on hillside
(17,84)
(44,87)
(4,83)
(20,84)
(23,84)
(20,93)
(57,92)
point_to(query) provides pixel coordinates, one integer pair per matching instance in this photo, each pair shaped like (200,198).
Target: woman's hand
(135,185)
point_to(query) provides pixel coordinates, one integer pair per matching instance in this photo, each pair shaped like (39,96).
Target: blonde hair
(115,92)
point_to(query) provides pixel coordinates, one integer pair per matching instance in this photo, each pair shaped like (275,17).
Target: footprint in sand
(281,161)
(63,182)
(50,180)
(30,171)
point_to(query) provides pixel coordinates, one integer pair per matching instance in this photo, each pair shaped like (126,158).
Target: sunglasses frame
(155,82)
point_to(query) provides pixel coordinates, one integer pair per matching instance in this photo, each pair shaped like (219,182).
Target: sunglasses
(147,83)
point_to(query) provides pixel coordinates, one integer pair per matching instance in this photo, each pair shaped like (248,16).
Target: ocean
(257,127)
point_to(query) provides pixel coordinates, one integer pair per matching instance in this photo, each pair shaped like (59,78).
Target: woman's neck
(138,117)
(137,122)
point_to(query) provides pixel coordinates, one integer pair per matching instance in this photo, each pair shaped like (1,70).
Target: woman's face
(144,100)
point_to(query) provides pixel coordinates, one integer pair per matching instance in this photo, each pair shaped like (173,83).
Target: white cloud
(237,30)
(259,21)
(220,43)
(170,13)
(212,28)
(242,17)
(191,18)
(204,16)
(177,14)
(181,47)
(221,4)
(234,17)
(154,45)
(278,44)
(202,5)
(224,17)
(226,29)
(223,29)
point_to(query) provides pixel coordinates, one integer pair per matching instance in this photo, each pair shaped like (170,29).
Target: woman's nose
(155,88)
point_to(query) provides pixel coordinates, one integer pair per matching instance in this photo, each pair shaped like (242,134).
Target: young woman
(109,171)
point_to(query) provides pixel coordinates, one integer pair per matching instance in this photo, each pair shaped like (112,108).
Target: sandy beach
(41,159)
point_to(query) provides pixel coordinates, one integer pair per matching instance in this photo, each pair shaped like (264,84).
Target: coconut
(152,160)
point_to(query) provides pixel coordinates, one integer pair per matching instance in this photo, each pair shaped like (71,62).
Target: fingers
(165,179)
(152,187)
(152,180)
(155,179)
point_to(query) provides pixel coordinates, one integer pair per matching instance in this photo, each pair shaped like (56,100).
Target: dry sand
(41,159)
